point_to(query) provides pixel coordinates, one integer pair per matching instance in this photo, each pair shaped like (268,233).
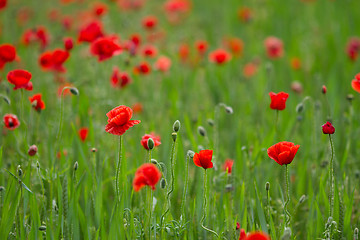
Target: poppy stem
(172,168)
(204,207)
(287,214)
(276,122)
(150,200)
(331,175)
(118,169)
(185,187)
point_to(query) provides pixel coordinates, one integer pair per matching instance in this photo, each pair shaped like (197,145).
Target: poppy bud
(357,174)
(302,199)
(32,150)
(328,128)
(323,89)
(76,165)
(267,186)
(287,234)
(174,135)
(229,110)
(74,91)
(42,228)
(6,99)
(163,183)
(210,122)
(162,167)
(300,107)
(356,233)
(237,226)
(2,188)
(94,150)
(202,131)
(154,161)
(38,165)
(190,154)
(176,126)
(350,97)
(19,170)
(150,143)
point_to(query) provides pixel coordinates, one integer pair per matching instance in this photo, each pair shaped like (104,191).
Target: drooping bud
(42,228)
(162,183)
(19,170)
(74,91)
(302,199)
(356,234)
(176,126)
(202,131)
(32,150)
(93,150)
(76,165)
(210,122)
(350,97)
(2,188)
(6,99)
(190,153)
(323,89)
(300,107)
(229,110)
(154,161)
(151,144)
(174,136)
(267,186)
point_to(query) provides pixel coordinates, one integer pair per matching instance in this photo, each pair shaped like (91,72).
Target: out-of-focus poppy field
(180,119)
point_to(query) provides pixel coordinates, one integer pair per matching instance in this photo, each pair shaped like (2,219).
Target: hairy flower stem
(276,123)
(331,174)
(287,214)
(185,187)
(149,201)
(204,208)
(216,130)
(118,197)
(172,161)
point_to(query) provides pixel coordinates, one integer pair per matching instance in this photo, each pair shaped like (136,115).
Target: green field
(74,188)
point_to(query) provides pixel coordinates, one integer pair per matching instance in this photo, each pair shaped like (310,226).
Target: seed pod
(267,186)
(202,131)
(74,91)
(176,126)
(150,144)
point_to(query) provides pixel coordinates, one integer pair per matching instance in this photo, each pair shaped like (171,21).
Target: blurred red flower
(242,235)
(11,121)
(324,89)
(83,133)
(278,100)
(90,32)
(283,152)
(149,22)
(235,45)
(2,4)
(228,165)
(245,14)
(100,9)
(37,103)
(328,128)
(119,120)
(295,63)
(142,68)
(250,69)
(54,60)
(257,236)
(163,63)
(184,52)
(38,34)
(219,56)
(20,78)
(119,79)
(201,46)
(203,159)
(68,43)
(274,47)
(355,83)
(137,108)
(7,54)
(105,47)
(146,175)
(145,138)
(149,51)
(353,48)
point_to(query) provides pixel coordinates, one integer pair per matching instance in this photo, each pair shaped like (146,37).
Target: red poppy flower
(203,159)
(295,63)
(7,54)
(20,78)
(37,103)
(146,175)
(105,47)
(42,36)
(149,51)
(274,47)
(355,83)
(119,120)
(136,39)
(201,46)
(145,138)
(283,152)
(2,4)
(119,79)
(54,60)
(163,64)
(90,32)
(149,22)
(353,48)
(328,128)
(324,89)
(219,56)
(278,100)
(137,108)
(257,236)
(242,234)
(235,45)
(250,69)
(68,43)
(142,68)
(228,165)
(11,121)
(177,6)
(245,14)
(184,52)
(83,133)
(100,9)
